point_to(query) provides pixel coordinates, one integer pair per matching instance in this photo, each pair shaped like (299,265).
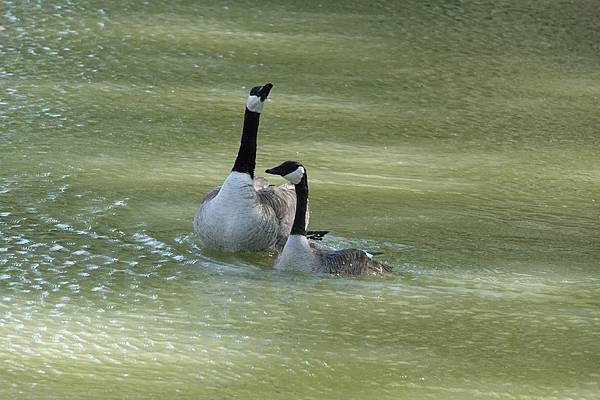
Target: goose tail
(376,267)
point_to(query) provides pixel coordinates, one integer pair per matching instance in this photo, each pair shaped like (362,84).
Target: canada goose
(299,255)
(246,214)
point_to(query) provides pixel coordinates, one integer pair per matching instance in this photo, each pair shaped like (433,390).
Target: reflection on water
(438,133)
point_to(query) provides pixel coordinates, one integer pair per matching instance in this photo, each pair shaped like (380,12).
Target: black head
(293,171)
(284,168)
(261,91)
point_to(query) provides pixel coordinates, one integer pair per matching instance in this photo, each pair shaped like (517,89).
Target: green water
(458,137)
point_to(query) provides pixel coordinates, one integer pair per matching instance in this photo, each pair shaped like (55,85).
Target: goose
(300,255)
(246,213)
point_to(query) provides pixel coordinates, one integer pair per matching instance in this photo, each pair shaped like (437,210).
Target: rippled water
(459,138)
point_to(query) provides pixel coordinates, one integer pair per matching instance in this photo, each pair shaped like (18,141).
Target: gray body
(299,255)
(246,215)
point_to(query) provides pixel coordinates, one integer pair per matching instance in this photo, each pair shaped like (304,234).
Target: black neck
(246,158)
(299,227)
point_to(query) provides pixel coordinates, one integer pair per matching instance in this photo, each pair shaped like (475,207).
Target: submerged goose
(246,214)
(299,255)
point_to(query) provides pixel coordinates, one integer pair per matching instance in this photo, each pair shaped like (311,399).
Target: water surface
(459,138)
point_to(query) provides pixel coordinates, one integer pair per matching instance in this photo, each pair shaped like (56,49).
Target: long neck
(299,227)
(246,158)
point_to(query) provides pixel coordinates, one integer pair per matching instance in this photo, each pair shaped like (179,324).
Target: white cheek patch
(296,176)
(254,104)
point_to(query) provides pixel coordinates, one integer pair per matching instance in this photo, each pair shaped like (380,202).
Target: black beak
(272,171)
(262,91)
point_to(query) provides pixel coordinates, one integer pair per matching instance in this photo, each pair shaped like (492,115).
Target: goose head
(292,171)
(257,97)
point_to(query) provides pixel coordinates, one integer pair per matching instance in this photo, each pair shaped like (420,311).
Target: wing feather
(282,199)
(211,194)
(350,262)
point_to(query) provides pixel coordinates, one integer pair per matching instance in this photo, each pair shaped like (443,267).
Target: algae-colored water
(460,138)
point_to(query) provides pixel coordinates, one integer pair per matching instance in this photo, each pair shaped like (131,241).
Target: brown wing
(282,199)
(350,262)
(260,182)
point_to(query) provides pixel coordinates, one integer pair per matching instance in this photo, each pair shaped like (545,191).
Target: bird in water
(299,255)
(246,213)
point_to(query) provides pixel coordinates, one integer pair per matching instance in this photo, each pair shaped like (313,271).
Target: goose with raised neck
(246,213)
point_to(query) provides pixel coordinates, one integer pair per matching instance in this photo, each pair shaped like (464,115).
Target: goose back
(246,214)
